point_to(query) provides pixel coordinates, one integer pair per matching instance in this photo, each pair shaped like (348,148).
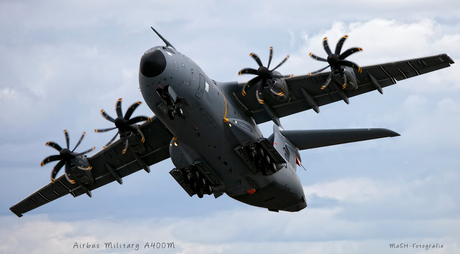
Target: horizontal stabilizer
(308,139)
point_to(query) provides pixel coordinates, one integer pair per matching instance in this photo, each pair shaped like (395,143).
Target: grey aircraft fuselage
(202,131)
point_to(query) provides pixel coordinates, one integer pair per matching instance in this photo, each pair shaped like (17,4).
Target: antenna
(162,38)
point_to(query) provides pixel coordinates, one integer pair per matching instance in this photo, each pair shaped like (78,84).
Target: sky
(64,61)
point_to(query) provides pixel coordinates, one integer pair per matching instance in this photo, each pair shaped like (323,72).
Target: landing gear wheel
(273,167)
(179,112)
(171,114)
(203,182)
(267,160)
(258,163)
(252,154)
(187,177)
(264,171)
(209,189)
(199,192)
(261,152)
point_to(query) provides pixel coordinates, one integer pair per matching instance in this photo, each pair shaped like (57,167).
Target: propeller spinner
(336,60)
(64,157)
(264,74)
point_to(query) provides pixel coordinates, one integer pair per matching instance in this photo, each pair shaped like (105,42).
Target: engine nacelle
(279,90)
(351,82)
(82,173)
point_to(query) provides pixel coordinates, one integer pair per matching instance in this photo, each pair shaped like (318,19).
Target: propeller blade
(118,108)
(344,80)
(270,57)
(137,119)
(349,52)
(318,71)
(131,109)
(50,159)
(68,173)
(54,145)
(110,142)
(317,58)
(282,62)
(125,139)
(56,170)
(326,46)
(257,59)
(259,94)
(328,80)
(79,141)
(350,64)
(85,152)
(104,130)
(251,83)
(248,71)
(338,48)
(67,139)
(106,116)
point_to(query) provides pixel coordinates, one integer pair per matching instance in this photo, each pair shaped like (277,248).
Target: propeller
(336,60)
(64,157)
(124,123)
(263,73)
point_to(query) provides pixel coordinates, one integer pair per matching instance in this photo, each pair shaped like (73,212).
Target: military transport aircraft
(210,131)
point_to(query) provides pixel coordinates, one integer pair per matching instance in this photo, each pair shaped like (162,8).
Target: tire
(179,112)
(264,171)
(209,189)
(171,114)
(203,182)
(187,177)
(199,193)
(267,160)
(273,167)
(252,154)
(261,152)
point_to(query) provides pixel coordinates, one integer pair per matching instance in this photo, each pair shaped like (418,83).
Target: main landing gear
(198,183)
(197,179)
(261,157)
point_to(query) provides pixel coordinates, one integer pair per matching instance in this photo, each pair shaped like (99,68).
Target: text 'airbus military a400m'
(210,129)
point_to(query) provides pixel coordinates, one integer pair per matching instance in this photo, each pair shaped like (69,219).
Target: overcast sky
(64,61)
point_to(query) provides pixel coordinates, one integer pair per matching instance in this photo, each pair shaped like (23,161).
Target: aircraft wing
(157,138)
(306,93)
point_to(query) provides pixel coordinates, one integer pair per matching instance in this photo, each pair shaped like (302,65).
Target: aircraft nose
(153,63)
